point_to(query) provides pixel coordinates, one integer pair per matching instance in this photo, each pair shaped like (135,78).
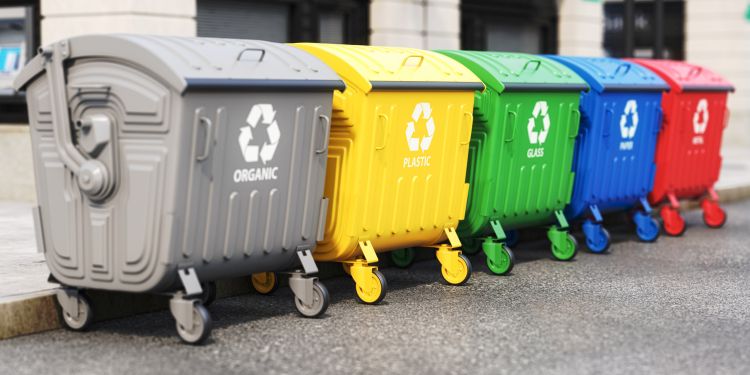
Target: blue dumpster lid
(187,63)
(610,74)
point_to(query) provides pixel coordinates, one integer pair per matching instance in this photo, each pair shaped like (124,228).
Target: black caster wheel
(209,293)
(319,305)
(201,328)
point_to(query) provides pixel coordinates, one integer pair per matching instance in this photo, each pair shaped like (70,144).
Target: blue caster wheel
(597,237)
(646,227)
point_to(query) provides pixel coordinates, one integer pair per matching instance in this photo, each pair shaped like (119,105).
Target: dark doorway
(509,25)
(333,21)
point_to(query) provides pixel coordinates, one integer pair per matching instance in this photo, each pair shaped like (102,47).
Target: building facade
(713,33)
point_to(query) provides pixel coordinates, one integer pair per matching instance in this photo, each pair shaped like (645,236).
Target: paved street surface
(681,305)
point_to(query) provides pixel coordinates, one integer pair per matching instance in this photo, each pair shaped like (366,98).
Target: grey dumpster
(165,163)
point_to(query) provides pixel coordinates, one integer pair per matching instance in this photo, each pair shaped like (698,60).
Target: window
(515,37)
(643,33)
(19,40)
(331,21)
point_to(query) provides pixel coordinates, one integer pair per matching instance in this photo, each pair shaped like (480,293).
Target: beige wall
(718,37)
(428,24)
(581,28)
(66,18)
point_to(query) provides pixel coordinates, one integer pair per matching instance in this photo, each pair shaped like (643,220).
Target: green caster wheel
(500,258)
(564,245)
(471,246)
(403,258)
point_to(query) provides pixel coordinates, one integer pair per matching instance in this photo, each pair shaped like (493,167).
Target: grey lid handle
(242,55)
(89,87)
(326,129)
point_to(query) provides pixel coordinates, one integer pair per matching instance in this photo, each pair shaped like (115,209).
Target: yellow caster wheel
(459,272)
(373,290)
(265,282)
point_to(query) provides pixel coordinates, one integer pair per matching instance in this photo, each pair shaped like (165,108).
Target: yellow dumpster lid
(394,68)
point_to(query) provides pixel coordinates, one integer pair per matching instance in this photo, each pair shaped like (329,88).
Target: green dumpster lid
(505,71)
(201,63)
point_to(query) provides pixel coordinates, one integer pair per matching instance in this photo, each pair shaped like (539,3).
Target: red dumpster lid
(686,77)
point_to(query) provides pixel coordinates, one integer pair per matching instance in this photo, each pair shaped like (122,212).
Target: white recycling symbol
(700,117)
(421,110)
(539,137)
(631,110)
(260,113)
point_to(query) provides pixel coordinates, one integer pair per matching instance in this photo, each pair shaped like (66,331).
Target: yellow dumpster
(399,144)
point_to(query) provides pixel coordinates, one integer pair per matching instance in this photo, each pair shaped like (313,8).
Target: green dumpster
(521,152)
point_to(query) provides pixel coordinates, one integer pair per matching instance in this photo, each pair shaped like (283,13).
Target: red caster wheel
(713,215)
(673,223)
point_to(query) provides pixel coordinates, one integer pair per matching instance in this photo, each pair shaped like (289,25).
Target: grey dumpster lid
(202,63)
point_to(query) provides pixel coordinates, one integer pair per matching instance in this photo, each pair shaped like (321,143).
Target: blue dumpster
(614,155)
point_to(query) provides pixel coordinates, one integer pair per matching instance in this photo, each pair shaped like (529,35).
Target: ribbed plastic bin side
(520,163)
(614,160)
(165,163)
(688,152)
(397,160)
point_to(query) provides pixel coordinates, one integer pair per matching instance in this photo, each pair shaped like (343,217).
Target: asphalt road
(681,305)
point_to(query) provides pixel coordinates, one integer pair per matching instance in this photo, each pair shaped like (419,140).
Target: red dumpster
(688,150)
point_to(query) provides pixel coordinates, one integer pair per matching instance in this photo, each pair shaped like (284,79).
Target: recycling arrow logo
(421,110)
(700,117)
(628,128)
(539,136)
(265,114)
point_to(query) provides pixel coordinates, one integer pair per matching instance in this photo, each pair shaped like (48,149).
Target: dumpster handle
(326,130)
(90,87)
(466,127)
(510,126)
(70,156)
(261,50)
(726,117)
(92,176)
(622,69)
(695,71)
(385,130)
(537,64)
(575,124)
(609,116)
(205,121)
(411,57)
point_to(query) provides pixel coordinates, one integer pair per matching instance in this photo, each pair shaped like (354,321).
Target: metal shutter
(243,20)
(331,27)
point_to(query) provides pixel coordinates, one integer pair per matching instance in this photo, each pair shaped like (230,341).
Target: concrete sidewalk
(26,298)
(22,269)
